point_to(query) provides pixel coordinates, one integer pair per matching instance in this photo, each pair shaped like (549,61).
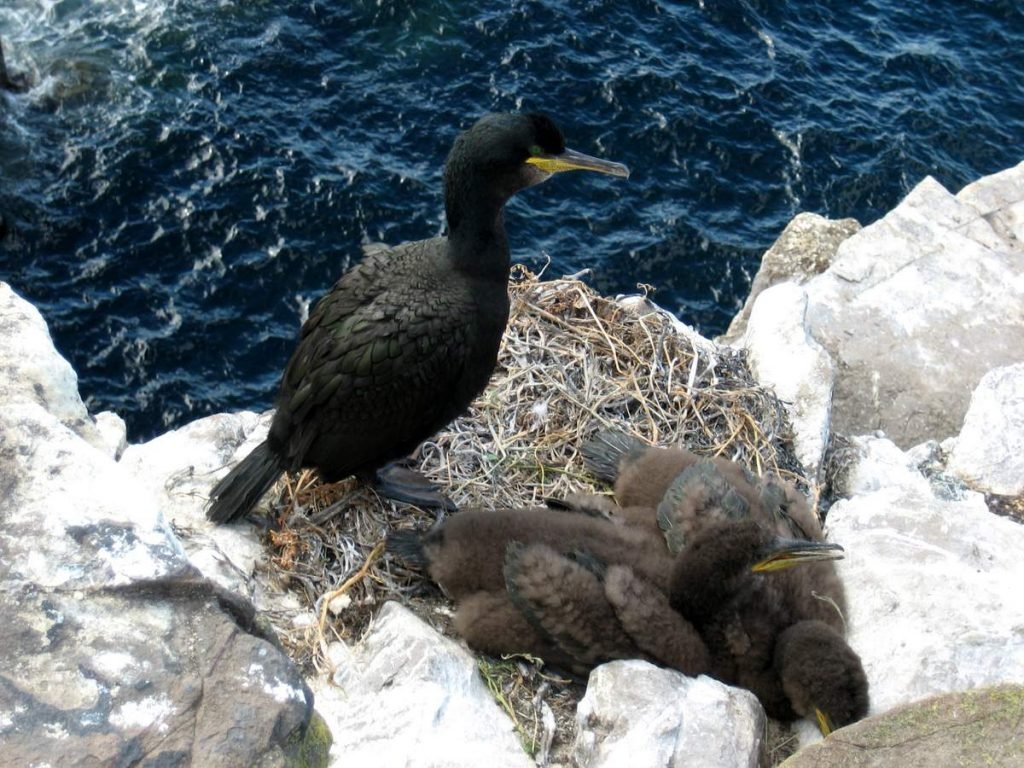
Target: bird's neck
(706,573)
(476,233)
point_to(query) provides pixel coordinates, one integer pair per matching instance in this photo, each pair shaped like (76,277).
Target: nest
(571,362)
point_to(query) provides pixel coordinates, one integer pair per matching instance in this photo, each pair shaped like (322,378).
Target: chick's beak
(824,723)
(786,553)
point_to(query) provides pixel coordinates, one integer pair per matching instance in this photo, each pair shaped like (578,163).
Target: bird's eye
(535,150)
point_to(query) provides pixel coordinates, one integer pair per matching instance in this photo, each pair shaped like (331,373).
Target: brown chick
(666,478)
(763,625)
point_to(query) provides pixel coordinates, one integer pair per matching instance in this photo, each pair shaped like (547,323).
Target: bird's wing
(563,598)
(605,450)
(654,626)
(698,496)
(375,353)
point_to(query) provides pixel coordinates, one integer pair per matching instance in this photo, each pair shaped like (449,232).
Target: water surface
(186,177)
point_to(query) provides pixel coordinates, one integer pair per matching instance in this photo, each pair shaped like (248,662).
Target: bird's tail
(237,493)
(603,453)
(407,546)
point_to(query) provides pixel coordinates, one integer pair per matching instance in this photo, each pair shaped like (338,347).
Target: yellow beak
(824,724)
(570,160)
(786,553)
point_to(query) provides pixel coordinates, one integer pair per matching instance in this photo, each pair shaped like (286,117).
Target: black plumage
(408,337)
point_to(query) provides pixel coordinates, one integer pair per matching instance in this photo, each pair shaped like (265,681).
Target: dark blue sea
(185,177)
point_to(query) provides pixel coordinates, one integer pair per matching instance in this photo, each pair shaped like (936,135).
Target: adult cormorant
(408,337)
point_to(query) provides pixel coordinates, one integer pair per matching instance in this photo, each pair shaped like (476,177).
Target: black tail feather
(237,493)
(603,453)
(407,546)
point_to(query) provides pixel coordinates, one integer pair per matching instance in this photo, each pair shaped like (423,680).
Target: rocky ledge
(133,632)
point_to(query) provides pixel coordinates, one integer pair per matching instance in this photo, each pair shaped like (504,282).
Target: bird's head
(503,153)
(821,675)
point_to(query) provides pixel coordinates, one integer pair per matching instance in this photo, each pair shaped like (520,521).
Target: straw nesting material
(571,362)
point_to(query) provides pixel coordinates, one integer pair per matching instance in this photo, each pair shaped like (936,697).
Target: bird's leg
(605,508)
(400,483)
(590,504)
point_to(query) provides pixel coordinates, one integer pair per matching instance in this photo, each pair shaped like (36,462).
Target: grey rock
(805,248)
(784,356)
(919,305)
(114,649)
(32,371)
(974,729)
(989,453)
(635,713)
(408,696)
(929,581)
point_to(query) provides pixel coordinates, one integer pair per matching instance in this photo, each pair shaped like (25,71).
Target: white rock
(57,484)
(784,357)
(179,468)
(912,311)
(919,305)
(35,372)
(989,454)
(805,248)
(184,464)
(999,198)
(931,583)
(113,434)
(406,695)
(637,714)
(111,643)
(882,465)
